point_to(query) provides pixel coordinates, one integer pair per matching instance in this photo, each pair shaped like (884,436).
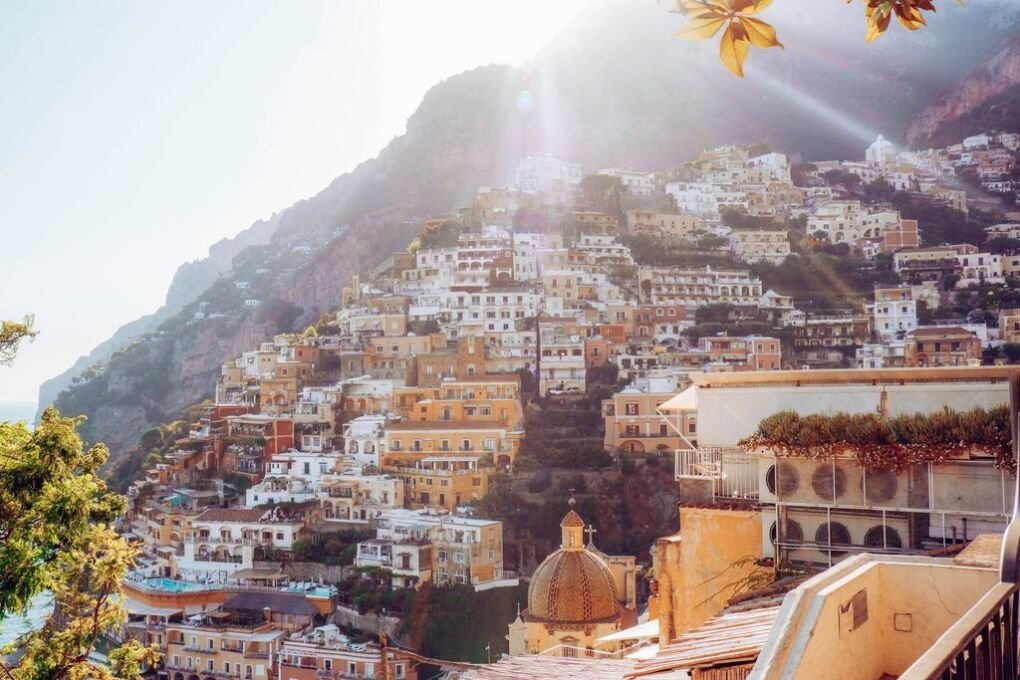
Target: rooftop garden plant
(888,443)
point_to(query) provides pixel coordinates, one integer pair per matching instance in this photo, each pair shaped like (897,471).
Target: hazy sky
(133,135)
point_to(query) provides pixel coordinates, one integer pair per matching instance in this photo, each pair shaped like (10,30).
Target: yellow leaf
(752,6)
(733,48)
(702,27)
(877,25)
(760,33)
(910,17)
(695,6)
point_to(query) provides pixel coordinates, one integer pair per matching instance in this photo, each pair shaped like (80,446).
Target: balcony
(732,472)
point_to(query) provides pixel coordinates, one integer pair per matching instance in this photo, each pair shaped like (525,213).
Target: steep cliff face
(190,280)
(451,146)
(954,109)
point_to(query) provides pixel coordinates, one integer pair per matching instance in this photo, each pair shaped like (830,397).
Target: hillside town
(695,314)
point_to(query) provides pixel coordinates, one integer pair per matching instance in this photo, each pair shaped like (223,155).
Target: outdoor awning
(642,631)
(142,609)
(685,401)
(258,574)
(646,652)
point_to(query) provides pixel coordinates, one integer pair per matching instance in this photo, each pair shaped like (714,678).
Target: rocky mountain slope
(983,99)
(614,89)
(190,280)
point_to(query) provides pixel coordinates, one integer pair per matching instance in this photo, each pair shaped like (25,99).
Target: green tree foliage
(650,250)
(279,314)
(601,193)
(879,190)
(881,442)
(825,281)
(11,335)
(738,219)
(720,312)
(444,236)
(839,177)
(1003,245)
(55,536)
(55,514)
(939,223)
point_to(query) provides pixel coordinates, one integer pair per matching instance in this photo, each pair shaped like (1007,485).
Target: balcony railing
(985,643)
(732,472)
(982,645)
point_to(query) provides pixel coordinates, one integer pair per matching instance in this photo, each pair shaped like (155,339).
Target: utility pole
(385,656)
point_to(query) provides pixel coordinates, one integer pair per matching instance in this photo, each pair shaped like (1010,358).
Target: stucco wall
(700,572)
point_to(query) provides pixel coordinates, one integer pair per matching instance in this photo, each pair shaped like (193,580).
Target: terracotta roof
(572,519)
(446,425)
(231,515)
(572,587)
(731,637)
(551,668)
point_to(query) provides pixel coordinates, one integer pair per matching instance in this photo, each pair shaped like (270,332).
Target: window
(631,409)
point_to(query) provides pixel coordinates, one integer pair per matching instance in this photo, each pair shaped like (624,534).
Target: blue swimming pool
(171,585)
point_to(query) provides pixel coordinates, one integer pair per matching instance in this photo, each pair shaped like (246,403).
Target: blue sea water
(13,411)
(15,626)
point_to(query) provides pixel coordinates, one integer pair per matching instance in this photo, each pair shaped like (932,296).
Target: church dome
(573,585)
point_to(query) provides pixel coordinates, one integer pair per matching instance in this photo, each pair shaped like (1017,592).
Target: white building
(547,176)
(979,268)
(881,152)
(291,477)
(221,541)
(365,438)
(638,183)
(562,365)
(893,313)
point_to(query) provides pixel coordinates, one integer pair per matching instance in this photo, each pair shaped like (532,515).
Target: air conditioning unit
(768,532)
(834,482)
(780,479)
(767,479)
(859,530)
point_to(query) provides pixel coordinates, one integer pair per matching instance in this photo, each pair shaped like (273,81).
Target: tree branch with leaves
(741,30)
(56,537)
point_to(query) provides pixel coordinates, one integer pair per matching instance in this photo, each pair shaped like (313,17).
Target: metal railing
(732,472)
(981,645)
(985,643)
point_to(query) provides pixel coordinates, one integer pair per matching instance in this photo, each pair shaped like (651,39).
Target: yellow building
(573,599)
(443,481)
(700,568)
(411,441)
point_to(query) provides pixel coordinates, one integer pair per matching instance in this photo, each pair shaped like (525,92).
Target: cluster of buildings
(392,418)
(788,562)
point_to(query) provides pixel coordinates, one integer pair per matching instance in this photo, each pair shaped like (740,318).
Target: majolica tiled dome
(573,585)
